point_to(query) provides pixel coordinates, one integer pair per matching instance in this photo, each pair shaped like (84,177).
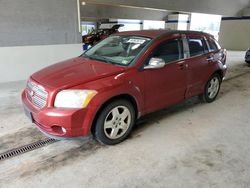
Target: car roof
(157,33)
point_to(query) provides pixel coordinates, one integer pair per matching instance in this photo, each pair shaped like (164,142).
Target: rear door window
(197,46)
(170,51)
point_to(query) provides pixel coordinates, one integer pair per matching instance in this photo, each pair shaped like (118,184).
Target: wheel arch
(127,97)
(219,72)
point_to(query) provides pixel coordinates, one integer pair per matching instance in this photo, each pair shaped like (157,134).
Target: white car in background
(247,57)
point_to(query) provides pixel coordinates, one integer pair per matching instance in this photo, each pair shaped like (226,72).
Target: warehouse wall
(38,22)
(35,34)
(18,63)
(234,33)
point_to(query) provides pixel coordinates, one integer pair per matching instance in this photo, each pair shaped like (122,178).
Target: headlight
(74,98)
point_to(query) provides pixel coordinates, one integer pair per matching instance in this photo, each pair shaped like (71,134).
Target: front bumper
(59,122)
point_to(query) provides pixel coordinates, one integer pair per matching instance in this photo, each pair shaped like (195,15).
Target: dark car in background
(247,56)
(97,35)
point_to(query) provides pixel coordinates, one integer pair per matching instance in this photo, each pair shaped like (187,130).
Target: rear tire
(115,122)
(212,89)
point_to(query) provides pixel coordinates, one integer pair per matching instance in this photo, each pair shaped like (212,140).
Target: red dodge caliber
(122,78)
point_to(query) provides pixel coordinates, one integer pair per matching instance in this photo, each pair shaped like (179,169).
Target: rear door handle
(182,65)
(210,59)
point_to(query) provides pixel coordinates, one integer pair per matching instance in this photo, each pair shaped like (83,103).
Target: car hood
(74,72)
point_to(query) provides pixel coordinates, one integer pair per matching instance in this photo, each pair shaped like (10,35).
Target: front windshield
(120,50)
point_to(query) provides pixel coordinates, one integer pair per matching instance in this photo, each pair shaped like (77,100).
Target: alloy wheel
(213,87)
(117,122)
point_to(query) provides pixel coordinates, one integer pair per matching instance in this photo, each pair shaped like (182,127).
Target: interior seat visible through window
(196,47)
(169,51)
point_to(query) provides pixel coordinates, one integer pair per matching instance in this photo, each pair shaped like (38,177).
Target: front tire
(115,122)
(212,88)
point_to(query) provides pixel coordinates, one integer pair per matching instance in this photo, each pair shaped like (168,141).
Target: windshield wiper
(83,55)
(100,58)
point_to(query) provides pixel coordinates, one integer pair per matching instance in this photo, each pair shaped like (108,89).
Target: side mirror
(155,63)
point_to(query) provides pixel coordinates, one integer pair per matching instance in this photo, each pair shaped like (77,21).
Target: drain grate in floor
(26,148)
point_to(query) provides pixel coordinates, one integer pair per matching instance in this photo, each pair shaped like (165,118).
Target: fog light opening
(59,129)
(64,130)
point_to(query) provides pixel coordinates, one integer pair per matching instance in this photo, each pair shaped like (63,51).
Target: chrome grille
(37,94)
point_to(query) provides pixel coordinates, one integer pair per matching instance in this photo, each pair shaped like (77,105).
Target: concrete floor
(189,145)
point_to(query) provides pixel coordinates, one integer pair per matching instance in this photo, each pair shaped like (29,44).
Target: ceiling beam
(220,7)
(107,11)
